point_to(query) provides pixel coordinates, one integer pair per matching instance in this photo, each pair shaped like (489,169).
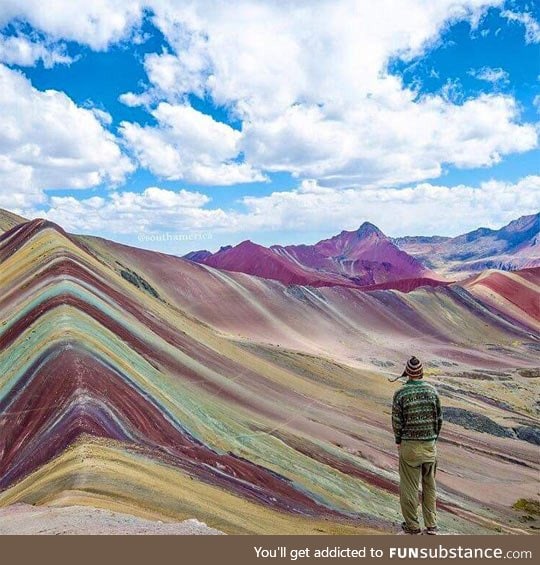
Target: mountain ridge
(360,258)
(9,220)
(514,246)
(380,260)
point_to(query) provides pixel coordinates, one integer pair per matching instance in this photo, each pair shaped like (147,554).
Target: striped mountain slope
(9,220)
(125,385)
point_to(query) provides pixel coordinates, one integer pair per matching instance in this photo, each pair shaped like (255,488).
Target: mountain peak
(29,228)
(368,229)
(248,244)
(9,220)
(224,248)
(198,256)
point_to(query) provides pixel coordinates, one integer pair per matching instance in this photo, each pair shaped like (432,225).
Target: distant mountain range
(515,246)
(368,258)
(361,258)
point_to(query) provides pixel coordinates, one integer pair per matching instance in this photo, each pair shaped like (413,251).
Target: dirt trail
(25,519)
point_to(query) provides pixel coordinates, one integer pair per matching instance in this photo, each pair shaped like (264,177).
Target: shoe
(409,531)
(431,531)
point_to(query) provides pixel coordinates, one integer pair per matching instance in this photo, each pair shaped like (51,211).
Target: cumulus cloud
(153,210)
(423,208)
(319,102)
(18,189)
(384,143)
(490,74)
(309,85)
(184,72)
(527,20)
(189,145)
(98,23)
(330,51)
(47,141)
(26,52)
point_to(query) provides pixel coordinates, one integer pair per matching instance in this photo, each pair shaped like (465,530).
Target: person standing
(417,422)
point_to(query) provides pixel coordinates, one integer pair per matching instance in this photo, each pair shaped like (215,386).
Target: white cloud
(424,208)
(184,72)
(153,210)
(24,51)
(133,100)
(311,88)
(532,27)
(46,141)
(18,190)
(388,142)
(104,117)
(490,74)
(189,145)
(310,209)
(97,23)
(261,58)
(309,83)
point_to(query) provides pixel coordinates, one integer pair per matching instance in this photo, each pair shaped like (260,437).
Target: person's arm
(439,414)
(397,418)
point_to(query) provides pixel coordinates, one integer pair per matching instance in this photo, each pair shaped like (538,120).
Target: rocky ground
(25,519)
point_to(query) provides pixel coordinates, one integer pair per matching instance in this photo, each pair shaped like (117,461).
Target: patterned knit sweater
(416,412)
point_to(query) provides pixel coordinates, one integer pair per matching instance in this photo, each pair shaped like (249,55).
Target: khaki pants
(418,459)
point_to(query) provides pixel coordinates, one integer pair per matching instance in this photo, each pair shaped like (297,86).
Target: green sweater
(416,412)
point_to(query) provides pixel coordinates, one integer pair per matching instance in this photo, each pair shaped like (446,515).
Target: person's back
(417,421)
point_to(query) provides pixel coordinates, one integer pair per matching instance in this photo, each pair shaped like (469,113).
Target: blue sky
(178,125)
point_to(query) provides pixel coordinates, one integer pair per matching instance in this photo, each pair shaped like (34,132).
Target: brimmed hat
(413,369)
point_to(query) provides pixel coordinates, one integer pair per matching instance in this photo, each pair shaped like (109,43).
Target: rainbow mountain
(366,258)
(150,385)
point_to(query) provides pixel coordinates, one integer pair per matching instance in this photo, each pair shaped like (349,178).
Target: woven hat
(413,369)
